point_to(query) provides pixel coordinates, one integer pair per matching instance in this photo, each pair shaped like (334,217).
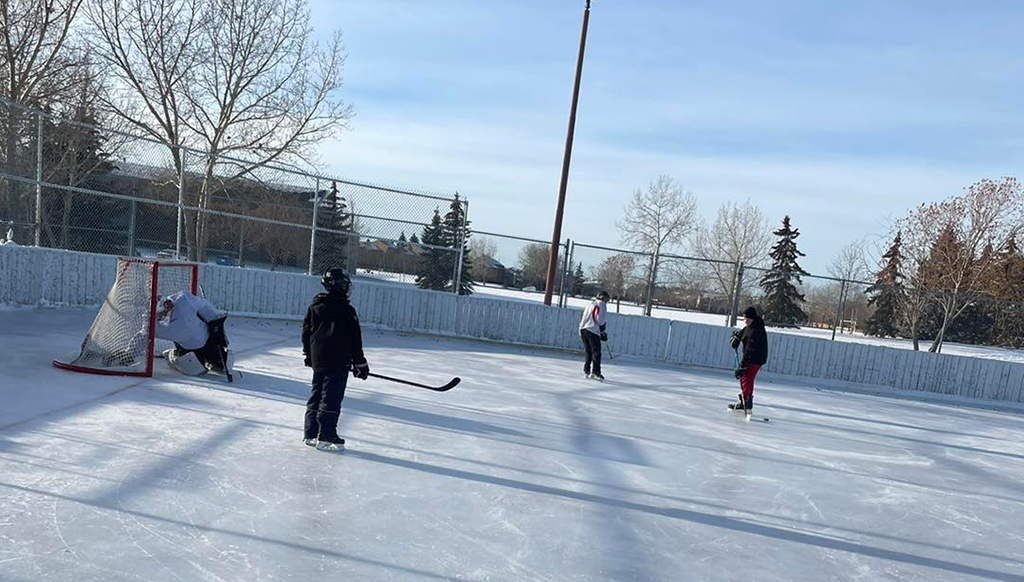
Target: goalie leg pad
(187,363)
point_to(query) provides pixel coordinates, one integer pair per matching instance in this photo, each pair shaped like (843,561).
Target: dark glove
(361,371)
(604,336)
(735,341)
(603,327)
(740,372)
(306,361)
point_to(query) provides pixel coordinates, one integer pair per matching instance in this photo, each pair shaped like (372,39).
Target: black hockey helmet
(603,295)
(336,281)
(750,312)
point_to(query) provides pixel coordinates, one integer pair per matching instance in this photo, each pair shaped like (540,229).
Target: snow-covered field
(995,353)
(526,471)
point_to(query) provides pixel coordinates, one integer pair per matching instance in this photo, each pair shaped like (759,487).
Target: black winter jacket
(331,337)
(755,343)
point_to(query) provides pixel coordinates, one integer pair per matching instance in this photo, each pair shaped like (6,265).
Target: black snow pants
(592,345)
(324,405)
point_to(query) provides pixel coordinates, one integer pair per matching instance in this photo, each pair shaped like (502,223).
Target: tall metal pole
(39,181)
(553,257)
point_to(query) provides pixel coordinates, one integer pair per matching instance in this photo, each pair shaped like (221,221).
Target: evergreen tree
(333,215)
(401,237)
(414,238)
(782,299)
(1007,286)
(435,267)
(886,293)
(578,279)
(455,235)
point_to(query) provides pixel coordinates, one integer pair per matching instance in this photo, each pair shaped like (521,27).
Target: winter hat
(750,312)
(603,295)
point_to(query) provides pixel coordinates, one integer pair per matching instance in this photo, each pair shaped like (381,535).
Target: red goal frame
(154,296)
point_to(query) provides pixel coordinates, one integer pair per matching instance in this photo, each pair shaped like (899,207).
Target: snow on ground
(989,352)
(526,471)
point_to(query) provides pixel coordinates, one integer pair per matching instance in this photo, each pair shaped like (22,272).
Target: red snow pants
(747,382)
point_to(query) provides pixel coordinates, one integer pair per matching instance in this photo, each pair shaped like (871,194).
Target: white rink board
(31,276)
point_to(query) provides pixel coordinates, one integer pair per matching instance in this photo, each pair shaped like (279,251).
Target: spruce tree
(435,266)
(782,299)
(886,293)
(578,279)
(333,215)
(456,232)
(414,239)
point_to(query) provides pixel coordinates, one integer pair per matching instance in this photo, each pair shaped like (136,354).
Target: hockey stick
(611,356)
(452,384)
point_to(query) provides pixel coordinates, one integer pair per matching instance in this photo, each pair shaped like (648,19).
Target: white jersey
(594,317)
(186,323)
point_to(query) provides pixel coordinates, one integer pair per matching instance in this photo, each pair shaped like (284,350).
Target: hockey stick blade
(451,384)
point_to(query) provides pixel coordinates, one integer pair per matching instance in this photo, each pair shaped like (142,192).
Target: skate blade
(330,447)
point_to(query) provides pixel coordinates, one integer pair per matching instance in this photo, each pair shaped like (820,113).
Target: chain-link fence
(74,185)
(70,184)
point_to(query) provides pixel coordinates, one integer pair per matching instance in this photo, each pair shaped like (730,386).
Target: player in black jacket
(332,344)
(755,353)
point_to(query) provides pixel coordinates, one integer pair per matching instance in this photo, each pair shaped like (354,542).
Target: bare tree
(34,70)
(739,234)
(264,92)
(33,38)
(151,47)
(656,220)
(482,251)
(971,230)
(243,79)
(851,263)
(616,274)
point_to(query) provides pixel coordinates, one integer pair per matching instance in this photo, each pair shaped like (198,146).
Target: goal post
(121,340)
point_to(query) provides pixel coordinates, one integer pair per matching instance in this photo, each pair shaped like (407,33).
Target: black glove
(740,372)
(361,371)
(735,341)
(604,336)
(306,361)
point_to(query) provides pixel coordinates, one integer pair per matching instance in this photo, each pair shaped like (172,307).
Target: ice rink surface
(524,472)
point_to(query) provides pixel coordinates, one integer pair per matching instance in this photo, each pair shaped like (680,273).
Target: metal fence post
(39,180)
(566,265)
(462,248)
(131,230)
(181,201)
(312,232)
(839,307)
(736,292)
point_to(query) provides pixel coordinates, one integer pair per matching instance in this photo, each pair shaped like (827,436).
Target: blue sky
(841,114)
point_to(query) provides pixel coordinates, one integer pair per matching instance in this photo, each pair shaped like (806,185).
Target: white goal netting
(121,339)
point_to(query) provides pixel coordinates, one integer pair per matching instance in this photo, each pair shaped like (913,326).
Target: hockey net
(121,340)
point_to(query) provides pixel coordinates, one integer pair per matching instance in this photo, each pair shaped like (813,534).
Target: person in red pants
(754,339)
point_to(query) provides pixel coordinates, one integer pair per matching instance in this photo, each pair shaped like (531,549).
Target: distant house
(492,271)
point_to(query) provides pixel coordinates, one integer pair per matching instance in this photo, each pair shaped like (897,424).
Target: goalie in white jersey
(197,329)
